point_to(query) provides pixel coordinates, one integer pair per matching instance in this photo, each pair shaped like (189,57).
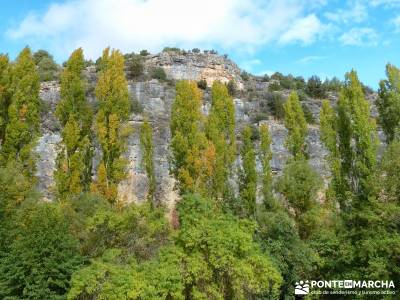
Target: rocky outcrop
(210,67)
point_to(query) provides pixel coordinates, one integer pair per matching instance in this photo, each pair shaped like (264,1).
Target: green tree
(39,262)
(46,66)
(5,93)
(23,114)
(388,103)
(146,145)
(329,137)
(220,131)
(296,125)
(299,185)
(265,156)
(247,175)
(74,162)
(357,139)
(212,256)
(111,123)
(193,156)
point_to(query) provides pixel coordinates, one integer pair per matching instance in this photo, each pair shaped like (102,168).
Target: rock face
(209,67)
(156,99)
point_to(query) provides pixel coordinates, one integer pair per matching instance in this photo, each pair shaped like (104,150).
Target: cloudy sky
(302,37)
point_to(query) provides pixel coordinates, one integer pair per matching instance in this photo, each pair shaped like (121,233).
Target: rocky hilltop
(154,98)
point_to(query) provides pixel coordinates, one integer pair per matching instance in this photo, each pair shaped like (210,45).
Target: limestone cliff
(156,98)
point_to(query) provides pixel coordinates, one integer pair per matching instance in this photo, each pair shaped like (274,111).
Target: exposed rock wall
(156,99)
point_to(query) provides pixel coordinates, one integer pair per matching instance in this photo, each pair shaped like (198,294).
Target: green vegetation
(220,130)
(296,125)
(22,121)
(237,231)
(74,162)
(46,66)
(159,73)
(388,103)
(111,126)
(146,145)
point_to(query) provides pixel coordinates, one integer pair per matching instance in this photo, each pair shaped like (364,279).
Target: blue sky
(323,37)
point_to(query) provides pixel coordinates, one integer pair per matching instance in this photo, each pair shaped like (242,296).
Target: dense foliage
(237,231)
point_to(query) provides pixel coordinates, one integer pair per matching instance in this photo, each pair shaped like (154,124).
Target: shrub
(275,103)
(245,76)
(202,84)
(307,114)
(136,107)
(172,49)
(274,86)
(135,66)
(196,50)
(159,73)
(232,88)
(144,52)
(315,88)
(47,67)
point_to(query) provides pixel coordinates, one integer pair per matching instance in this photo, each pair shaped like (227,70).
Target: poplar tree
(388,103)
(248,174)
(357,139)
(23,114)
(265,156)
(193,156)
(74,162)
(296,125)
(5,93)
(221,131)
(111,123)
(146,145)
(329,137)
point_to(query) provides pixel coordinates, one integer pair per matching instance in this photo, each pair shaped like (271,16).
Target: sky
(300,37)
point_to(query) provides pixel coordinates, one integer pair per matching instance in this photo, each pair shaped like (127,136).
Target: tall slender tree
(111,123)
(193,156)
(248,175)
(296,125)
(5,93)
(23,114)
(221,131)
(388,103)
(74,162)
(357,137)
(146,145)
(265,156)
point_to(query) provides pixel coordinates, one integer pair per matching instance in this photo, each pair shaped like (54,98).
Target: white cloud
(386,3)
(312,58)
(131,25)
(304,30)
(360,37)
(396,23)
(356,12)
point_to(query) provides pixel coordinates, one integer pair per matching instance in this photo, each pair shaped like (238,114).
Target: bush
(135,66)
(307,114)
(315,88)
(260,117)
(274,86)
(245,76)
(196,50)
(172,49)
(275,103)
(144,52)
(136,107)
(47,67)
(232,88)
(202,84)
(159,73)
